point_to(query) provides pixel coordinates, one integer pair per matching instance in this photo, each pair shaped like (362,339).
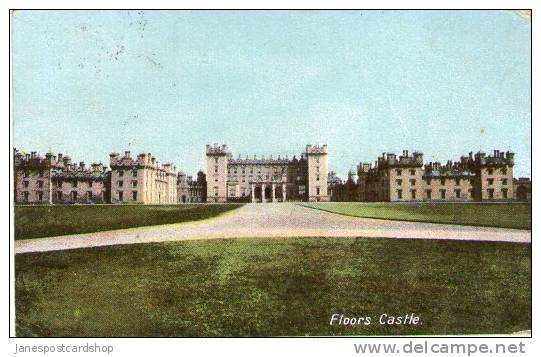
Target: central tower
(266,179)
(317,172)
(217,158)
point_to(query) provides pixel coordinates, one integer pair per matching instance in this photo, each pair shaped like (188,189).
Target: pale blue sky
(364,82)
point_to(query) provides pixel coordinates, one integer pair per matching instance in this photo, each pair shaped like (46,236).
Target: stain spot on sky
(526,14)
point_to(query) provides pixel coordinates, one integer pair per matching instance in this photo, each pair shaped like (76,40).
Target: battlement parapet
(261,161)
(217,149)
(390,160)
(79,175)
(60,166)
(143,160)
(450,169)
(499,158)
(33,160)
(316,149)
(363,168)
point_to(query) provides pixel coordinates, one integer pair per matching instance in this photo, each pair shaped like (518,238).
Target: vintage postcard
(258,173)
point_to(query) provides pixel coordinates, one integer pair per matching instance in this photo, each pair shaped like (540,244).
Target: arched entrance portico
(268,192)
(256,197)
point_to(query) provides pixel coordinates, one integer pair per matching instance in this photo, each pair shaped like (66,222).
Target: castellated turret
(217,163)
(216,149)
(318,169)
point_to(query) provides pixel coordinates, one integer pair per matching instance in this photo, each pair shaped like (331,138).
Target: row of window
(133,172)
(74,184)
(412,182)
(267,177)
(120,183)
(134,196)
(216,160)
(159,174)
(490,181)
(490,171)
(399,172)
(26,196)
(246,192)
(243,171)
(443,193)
(74,195)
(27,173)
(121,195)
(442,181)
(26,184)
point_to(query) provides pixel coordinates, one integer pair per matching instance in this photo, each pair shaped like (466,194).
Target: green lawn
(48,221)
(261,287)
(511,215)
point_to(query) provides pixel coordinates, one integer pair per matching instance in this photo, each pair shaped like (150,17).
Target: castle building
(74,183)
(449,182)
(494,175)
(142,180)
(55,179)
(266,179)
(190,190)
(473,178)
(392,178)
(32,177)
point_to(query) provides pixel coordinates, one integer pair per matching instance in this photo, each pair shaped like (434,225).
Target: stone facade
(266,179)
(318,168)
(32,177)
(392,178)
(190,190)
(81,184)
(494,175)
(473,178)
(142,180)
(55,179)
(522,189)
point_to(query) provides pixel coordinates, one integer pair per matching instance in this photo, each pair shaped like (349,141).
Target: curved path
(275,220)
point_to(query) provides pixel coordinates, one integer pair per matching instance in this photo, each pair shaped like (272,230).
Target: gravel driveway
(275,220)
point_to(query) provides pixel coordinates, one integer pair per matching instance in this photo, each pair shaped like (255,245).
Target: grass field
(255,287)
(513,215)
(48,221)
